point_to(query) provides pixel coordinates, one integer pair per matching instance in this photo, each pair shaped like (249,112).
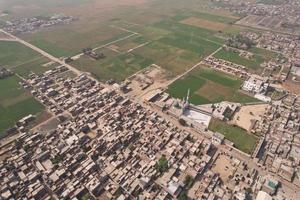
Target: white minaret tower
(188,96)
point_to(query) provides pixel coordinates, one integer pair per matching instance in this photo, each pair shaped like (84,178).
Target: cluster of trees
(162,165)
(240,41)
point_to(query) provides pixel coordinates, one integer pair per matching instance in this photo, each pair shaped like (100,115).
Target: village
(133,139)
(26,25)
(128,152)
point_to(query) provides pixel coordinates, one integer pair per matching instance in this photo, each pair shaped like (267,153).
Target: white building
(255,84)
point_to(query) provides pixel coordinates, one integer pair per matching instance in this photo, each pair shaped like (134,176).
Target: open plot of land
(224,167)
(209,86)
(14,53)
(241,139)
(248,114)
(15,103)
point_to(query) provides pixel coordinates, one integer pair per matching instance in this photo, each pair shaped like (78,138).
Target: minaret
(188,96)
(186,102)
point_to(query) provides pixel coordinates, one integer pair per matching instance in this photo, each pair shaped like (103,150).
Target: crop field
(15,103)
(38,67)
(203,23)
(22,60)
(14,53)
(209,86)
(114,66)
(157,22)
(76,40)
(241,139)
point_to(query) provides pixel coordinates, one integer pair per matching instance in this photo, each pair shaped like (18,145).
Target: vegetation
(209,86)
(239,41)
(14,53)
(35,66)
(183,196)
(57,159)
(189,181)
(162,164)
(234,57)
(15,103)
(116,67)
(241,139)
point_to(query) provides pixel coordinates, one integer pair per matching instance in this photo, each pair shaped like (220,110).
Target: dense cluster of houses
(280,127)
(109,145)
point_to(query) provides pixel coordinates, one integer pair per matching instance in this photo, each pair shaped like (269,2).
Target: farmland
(241,139)
(116,67)
(22,60)
(184,44)
(13,53)
(15,103)
(172,45)
(209,86)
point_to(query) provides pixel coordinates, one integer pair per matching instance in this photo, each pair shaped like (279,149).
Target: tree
(183,196)
(189,181)
(162,164)
(182,122)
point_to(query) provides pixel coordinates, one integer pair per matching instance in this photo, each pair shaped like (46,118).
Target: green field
(35,66)
(209,86)
(253,64)
(15,103)
(117,67)
(14,53)
(241,139)
(22,60)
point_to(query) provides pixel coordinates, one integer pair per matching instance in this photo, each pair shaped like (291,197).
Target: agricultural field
(38,66)
(22,60)
(209,86)
(203,23)
(15,103)
(114,66)
(162,36)
(241,139)
(13,54)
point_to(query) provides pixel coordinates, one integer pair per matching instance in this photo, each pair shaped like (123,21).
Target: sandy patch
(292,86)
(202,23)
(247,114)
(224,167)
